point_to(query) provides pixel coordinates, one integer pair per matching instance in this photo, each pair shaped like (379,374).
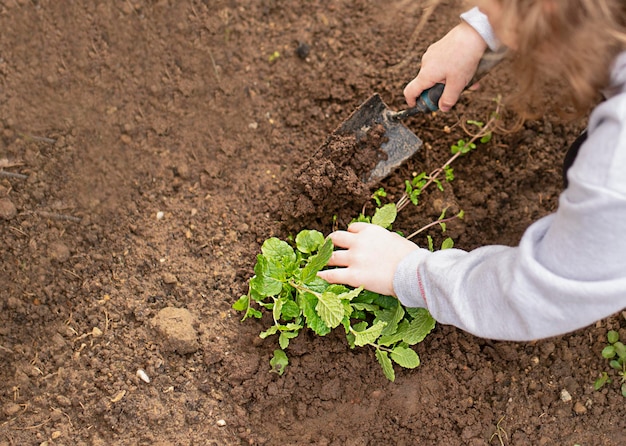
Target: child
(569,269)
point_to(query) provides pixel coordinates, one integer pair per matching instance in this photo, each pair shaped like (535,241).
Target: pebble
(565,396)
(7,209)
(579,408)
(221,423)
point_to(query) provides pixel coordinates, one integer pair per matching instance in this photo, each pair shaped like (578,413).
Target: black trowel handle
(429,99)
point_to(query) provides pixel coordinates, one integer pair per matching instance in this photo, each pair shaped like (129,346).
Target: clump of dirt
(333,181)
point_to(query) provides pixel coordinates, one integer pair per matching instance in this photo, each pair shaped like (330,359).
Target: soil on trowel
(331,186)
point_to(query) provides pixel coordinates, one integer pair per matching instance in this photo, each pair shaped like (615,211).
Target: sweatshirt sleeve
(480,23)
(569,269)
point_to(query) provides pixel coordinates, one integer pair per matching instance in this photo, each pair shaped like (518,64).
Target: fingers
(339,275)
(451,93)
(414,88)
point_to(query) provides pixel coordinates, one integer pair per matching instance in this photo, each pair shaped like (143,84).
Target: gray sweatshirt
(569,269)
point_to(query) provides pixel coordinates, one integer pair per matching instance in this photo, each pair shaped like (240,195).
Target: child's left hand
(370,257)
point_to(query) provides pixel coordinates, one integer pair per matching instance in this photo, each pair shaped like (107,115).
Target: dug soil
(144,146)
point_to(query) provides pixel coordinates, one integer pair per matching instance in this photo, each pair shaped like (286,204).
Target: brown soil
(143,144)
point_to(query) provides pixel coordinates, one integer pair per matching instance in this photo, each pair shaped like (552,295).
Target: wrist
(478,21)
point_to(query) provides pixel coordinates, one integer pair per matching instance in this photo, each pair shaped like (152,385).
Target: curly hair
(570,42)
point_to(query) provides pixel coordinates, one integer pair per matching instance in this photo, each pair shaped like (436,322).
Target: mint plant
(615,353)
(286,284)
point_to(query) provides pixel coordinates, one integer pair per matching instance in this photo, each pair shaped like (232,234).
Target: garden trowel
(401,143)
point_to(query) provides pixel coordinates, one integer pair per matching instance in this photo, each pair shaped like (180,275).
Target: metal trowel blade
(401,145)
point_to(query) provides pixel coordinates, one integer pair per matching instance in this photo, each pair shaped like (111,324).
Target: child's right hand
(370,257)
(452,61)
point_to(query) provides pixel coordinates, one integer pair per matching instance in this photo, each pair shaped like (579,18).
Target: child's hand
(370,257)
(453,61)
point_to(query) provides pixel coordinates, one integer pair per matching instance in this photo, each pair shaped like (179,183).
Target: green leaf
(278,251)
(397,336)
(263,283)
(615,364)
(368,336)
(391,317)
(330,309)
(420,326)
(349,295)
(385,363)
(608,352)
(620,349)
(269,332)
(309,241)
(385,216)
(600,382)
(612,336)
(405,357)
(290,310)
(623,388)
(278,306)
(317,262)
(307,302)
(279,362)
(285,336)
(242,303)
(447,243)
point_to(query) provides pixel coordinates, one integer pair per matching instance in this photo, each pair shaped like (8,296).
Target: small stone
(565,396)
(96,332)
(303,50)
(169,279)
(579,408)
(7,209)
(221,423)
(160,215)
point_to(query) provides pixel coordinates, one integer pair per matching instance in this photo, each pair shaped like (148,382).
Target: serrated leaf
(369,335)
(385,363)
(330,309)
(385,216)
(262,282)
(349,295)
(317,262)
(397,336)
(279,362)
(391,317)
(405,357)
(290,309)
(308,241)
(307,302)
(278,251)
(420,326)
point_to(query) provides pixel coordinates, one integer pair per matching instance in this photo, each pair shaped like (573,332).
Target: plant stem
(423,228)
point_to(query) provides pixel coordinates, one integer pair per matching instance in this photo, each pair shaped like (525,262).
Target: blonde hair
(572,43)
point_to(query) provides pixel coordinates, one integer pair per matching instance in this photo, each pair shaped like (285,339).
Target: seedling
(615,353)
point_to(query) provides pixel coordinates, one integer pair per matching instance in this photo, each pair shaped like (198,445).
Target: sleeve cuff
(480,23)
(407,283)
